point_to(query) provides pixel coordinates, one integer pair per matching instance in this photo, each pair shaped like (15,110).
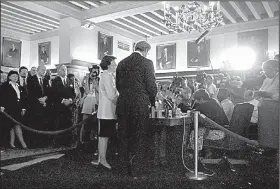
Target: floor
(73,170)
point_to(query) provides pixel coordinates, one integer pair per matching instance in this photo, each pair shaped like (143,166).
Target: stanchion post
(195,175)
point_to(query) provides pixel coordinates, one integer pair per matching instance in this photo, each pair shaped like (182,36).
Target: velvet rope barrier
(214,124)
(46,132)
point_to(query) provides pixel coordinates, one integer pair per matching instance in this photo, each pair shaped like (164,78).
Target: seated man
(210,108)
(184,107)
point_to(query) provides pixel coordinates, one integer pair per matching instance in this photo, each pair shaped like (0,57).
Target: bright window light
(241,58)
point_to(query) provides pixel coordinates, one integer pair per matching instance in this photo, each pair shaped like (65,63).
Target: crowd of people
(122,96)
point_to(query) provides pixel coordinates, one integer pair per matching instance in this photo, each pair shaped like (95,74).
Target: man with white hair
(136,84)
(62,97)
(37,100)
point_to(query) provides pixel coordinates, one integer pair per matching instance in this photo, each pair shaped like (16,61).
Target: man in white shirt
(210,87)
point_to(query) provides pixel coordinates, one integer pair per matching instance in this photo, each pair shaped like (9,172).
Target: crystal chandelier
(192,15)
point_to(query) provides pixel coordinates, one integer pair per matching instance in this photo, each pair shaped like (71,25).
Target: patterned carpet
(74,170)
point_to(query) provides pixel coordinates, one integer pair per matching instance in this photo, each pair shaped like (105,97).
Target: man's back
(135,82)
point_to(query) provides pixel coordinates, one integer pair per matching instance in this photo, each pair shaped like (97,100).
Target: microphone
(202,36)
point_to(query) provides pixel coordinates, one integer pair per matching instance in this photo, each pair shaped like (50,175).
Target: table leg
(162,149)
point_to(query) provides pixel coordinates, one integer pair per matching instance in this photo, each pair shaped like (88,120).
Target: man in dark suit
(62,97)
(22,80)
(135,82)
(165,60)
(37,98)
(104,48)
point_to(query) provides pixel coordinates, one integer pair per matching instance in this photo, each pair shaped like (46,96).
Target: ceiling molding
(119,30)
(5,32)
(94,4)
(152,19)
(31,5)
(44,35)
(142,24)
(21,23)
(8,23)
(253,10)
(126,27)
(29,13)
(24,20)
(16,29)
(244,26)
(227,14)
(135,26)
(267,9)
(238,10)
(120,9)
(61,8)
(81,4)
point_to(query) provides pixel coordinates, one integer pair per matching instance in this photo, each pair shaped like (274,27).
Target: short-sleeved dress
(90,101)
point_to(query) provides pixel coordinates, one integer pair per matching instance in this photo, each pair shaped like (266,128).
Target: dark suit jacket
(61,91)
(10,101)
(135,82)
(35,90)
(213,111)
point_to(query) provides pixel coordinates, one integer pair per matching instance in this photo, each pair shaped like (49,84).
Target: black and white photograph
(166,56)
(11,52)
(198,54)
(105,45)
(139,94)
(44,53)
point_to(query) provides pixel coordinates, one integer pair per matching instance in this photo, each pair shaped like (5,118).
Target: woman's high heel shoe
(107,166)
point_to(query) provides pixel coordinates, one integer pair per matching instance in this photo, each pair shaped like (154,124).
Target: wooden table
(168,137)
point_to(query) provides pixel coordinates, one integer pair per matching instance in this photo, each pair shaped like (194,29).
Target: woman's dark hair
(223,94)
(106,61)
(12,72)
(201,94)
(22,68)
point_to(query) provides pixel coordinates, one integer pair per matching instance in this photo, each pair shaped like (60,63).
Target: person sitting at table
(227,105)
(210,108)
(179,103)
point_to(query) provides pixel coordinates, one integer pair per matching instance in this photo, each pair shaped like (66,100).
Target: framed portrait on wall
(166,56)
(11,52)
(257,41)
(105,45)
(198,54)
(44,53)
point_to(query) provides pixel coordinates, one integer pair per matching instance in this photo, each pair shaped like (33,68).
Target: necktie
(24,83)
(41,85)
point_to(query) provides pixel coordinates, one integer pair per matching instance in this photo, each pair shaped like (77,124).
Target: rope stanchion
(196,175)
(46,132)
(214,124)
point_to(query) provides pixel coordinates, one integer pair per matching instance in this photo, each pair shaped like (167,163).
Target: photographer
(89,102)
